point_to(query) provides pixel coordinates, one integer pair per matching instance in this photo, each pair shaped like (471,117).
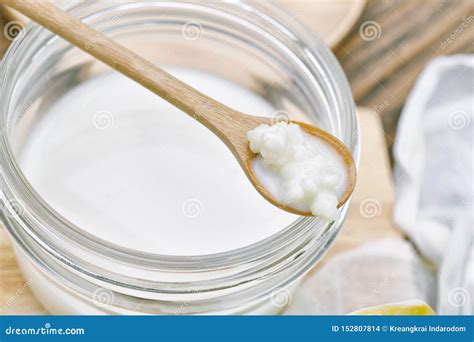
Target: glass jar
(73,272)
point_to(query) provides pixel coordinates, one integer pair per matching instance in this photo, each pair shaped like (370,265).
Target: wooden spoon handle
(203,108)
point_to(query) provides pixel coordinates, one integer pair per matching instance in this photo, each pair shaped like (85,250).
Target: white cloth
(434,176)
(377,273)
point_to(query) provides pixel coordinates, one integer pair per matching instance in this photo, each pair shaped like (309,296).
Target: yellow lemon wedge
(405,308)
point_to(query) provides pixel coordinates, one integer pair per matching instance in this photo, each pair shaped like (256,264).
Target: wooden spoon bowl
(236,141)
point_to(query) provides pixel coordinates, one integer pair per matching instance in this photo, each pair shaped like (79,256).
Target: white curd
(298,169)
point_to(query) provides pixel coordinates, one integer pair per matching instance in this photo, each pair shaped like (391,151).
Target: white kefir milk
(126,166)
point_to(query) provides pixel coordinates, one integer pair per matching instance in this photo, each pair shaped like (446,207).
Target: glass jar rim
(270,15)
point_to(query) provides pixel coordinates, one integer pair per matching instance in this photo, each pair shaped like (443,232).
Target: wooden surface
(331,19)
(410,33)
(16,297)
(4,42)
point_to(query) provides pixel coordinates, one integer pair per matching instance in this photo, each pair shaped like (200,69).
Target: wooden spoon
(229,125)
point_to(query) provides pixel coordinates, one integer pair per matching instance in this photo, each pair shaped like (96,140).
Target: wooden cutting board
(369,219)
